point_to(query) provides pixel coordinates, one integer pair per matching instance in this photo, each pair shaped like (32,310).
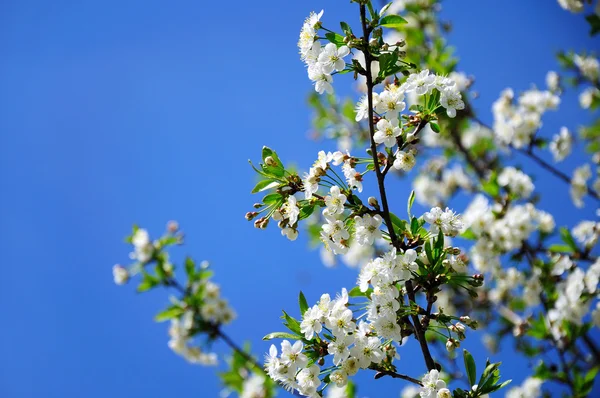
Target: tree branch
(382,373)
(554,171)
(380,177)
(419,333)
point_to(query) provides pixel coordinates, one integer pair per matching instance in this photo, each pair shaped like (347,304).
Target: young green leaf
(169,313)
(281,335)
(335,38)
(470,367)
(392,21)
(292,324)
(264,185)
(411,200)
(302,302)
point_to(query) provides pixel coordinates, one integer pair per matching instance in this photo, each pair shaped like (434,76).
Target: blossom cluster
(498,235)
(331,328)
(321,61)
(516,124)
(200,309)
(181,341)
(353,347)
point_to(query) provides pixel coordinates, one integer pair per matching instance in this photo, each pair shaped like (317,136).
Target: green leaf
(392,21)
(281,335)
(346,28)
(566,236)
(264,185)
(302,302)
(468,234)
(429,253)
(411,200)
(415,225)
(397,222)
(439,245)
(169,313)
(274,167)
(306,211)
(435,127)
(470,367)
(190,267)
(355,292)
(594,21)
(335,38)
(292,324)
(496,387)
(560,249)
(271,198)
(491,186)
(148,283)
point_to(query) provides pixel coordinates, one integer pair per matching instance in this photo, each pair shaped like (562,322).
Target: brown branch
(380,182)
(382,373)
(380,177)
(419,332)
(554,171)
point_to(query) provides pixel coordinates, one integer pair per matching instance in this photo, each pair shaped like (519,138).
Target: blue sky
(113,113)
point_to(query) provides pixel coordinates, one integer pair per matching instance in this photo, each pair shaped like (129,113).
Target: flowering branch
(553,170)
(369,77)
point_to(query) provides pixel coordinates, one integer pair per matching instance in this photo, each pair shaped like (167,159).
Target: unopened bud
(269,161)
(168,268)
(120,274)
(373,202)
(277,216)
(460,328)
(172,226)
(257,223)
(250,215)
(401,43)
(469,322)
(451,344)
(257,205)
(264,223)
(321,362)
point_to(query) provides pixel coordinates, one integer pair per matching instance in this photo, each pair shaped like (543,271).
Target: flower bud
(451,344)
(269,161)
(258,223)
(168,268)
(460,328)
(277,216)
(120,274)
(250,215)
(257,205)
(373,202)
(172,226)
(264,223)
